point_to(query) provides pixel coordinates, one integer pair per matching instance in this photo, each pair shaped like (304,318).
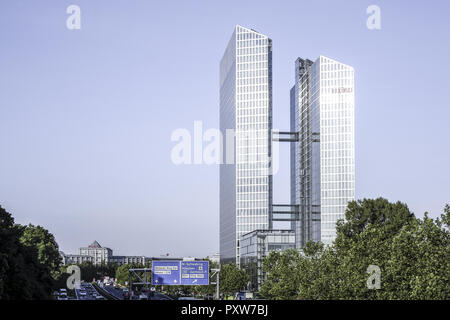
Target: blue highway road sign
(194,272)
(166,273)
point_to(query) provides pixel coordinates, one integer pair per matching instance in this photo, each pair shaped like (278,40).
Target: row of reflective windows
(273,239)
(252,196)
(327,210)
(253,73)
(251,147)
(252,88)
(338,162)
(327,194)
(253,118)
(252,81)
(254,126)
(330,154)
(337,145)
(336,202)
(337,75)
(253,58)
(261,212)
(254,188)
(251,111)
(243,34)
(252,66)
(333,129)
(259,180)
(242,51)
(325,170)
(335,112)
(341,121)
(253,96)
(244,143)
(349,177)
(250,168)
(329,65)
(248,39)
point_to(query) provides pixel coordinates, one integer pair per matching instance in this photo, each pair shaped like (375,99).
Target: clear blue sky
(86,115)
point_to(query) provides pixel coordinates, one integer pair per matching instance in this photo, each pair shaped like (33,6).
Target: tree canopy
(232,279)
(45,243)
(24,273)
(413,256)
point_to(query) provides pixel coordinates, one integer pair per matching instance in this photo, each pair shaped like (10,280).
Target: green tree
(45,243)
(418,267)
(123,273)
(413,255)
(90,271)
(281,278)
(21,274)
(232,279)
(211,288)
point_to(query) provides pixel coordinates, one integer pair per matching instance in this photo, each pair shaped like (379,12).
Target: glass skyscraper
(322,161)
(245,110)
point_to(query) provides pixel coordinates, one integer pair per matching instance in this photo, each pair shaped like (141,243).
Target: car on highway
(63,296)
(98,297)
(143,296)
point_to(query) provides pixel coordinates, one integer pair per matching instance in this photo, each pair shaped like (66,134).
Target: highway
(118,293)
(87,292)
(160,296)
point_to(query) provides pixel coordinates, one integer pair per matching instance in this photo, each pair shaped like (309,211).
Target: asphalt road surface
(119,294)
(87,292)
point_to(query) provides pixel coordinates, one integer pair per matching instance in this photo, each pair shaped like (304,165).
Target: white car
(143,297)
(62,296)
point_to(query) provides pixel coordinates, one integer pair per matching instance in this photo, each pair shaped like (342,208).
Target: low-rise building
(129,259)
(75,258)
(256,245)
(96,254)
(95,250)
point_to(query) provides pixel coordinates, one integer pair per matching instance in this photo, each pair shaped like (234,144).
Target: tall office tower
(323,159)
(245,108)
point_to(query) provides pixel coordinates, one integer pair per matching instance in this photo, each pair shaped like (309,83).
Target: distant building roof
(95,244)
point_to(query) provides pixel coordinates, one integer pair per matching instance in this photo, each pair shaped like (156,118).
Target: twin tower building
(321,139)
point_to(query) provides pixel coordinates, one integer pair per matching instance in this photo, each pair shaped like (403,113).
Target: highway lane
(117,292)
(87,292)
(114,291)
(160,296)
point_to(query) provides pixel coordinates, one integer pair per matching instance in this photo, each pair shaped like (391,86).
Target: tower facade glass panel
(322,162)
(245,108)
